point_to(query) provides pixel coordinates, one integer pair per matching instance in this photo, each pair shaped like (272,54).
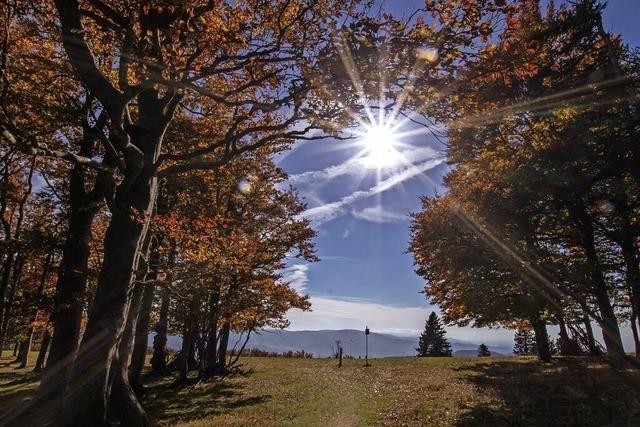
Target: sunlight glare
(380,146)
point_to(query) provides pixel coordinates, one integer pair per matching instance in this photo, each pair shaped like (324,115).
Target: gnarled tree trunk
(123,399)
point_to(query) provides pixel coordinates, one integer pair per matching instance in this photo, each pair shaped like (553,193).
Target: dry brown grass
(410,392)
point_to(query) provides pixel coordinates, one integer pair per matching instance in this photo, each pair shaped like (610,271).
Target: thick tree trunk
(141,338)
(608,321)
(71,287)
(89,383)
(221,364)
(123,399)
(42,353)
(159,357)
(542,339)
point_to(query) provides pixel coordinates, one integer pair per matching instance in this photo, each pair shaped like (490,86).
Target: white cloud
(324,213)
(358,166)
(379,214)
(355,313)
(296,275)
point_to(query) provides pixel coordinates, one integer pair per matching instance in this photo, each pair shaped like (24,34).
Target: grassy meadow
(407,391)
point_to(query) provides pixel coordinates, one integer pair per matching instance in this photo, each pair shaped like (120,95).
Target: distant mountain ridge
(321,343)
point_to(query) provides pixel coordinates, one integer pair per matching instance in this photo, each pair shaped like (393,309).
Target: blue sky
(361,213)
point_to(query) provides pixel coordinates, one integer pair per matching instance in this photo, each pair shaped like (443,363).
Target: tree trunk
(222,348)
(542,339)
(16,347)
(608,321)
(42,353)
(191,360)
(4,287)
(187,340)
(25,348)
(591,341)
(70,293)
(159,357)
(91,374)
(634,331)
(123,399)
(15,281)
(141,338)
(565,341)
(212,327)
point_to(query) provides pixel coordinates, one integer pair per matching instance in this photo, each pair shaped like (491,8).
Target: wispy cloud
(356,313)
(379,214)
(357,166)
(296,275)
(324,213)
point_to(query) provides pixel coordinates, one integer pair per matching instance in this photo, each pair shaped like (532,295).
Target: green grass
(412,392)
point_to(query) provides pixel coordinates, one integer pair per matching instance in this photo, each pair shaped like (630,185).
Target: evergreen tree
(432,341)
(483,351)
(524,342)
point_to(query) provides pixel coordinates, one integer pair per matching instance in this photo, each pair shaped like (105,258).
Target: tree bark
(15,281)
(4,287)
(634,332)
(90,377)
(221,364)
(71,286)
(42,353)
(542,339)
(598,286)
(5,306)
(123,399)
(187,341)
(159,357)
(564,337)
(24,349)
(591,341)
(212,339)
(141,338)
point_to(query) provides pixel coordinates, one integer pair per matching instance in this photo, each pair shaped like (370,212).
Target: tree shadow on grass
(567,392)
(163,401)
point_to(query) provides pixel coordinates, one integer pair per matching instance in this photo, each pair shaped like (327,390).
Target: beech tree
(534,165)
(142,63)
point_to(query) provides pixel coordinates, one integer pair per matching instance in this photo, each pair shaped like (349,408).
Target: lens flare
(244,187)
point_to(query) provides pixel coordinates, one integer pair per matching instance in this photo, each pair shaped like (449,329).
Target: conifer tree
(483,351)
(432,341)
(524,342)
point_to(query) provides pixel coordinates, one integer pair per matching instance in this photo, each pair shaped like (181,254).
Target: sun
(379,145)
